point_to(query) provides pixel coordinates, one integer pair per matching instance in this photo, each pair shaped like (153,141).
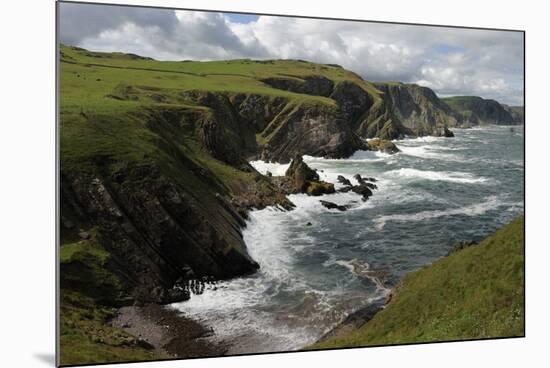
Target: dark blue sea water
(435,192)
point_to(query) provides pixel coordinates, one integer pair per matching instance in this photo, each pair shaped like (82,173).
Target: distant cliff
(417,108)
(517,113)
(475,110)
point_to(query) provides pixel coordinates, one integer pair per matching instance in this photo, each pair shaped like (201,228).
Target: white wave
(363,270)
(422,139)
(358,156)
(472,210)
(449,176)
(274,168)
(429,151)
(239,311)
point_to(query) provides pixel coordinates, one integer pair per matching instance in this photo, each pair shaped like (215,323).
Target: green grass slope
(87,78)
(105,97)
(474,293)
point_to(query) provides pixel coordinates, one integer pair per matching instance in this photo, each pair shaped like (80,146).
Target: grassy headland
(474,293)
(154,172)
(153,169)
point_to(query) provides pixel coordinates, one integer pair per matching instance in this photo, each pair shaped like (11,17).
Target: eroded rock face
(155,229)
(353,100)
(312,85)
(315,130)
(300,178)
(417,108)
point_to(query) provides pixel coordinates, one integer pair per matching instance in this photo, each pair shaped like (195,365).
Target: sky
(451,61)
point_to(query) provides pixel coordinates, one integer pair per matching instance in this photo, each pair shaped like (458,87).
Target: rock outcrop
(300,178)
(312,85)
(166,216)
(333,206)
(382,145)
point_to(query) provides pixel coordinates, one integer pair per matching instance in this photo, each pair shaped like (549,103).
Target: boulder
(331,206)
(342,180)
(345,189)
(362,190)
(300,174)
(317,188)
(370,185)
(359,179)
(382,145)
(300,178)
(444,132)
(448,133)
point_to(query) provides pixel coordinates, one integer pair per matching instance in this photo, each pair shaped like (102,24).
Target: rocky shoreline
(362,316)
(158,194)
(166,332)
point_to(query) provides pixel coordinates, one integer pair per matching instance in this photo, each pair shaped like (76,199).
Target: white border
(28,174)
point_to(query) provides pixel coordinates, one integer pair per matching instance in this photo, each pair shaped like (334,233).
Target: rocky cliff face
(275,129)
(476,110)
(167,217)
(312,85)
(417,108)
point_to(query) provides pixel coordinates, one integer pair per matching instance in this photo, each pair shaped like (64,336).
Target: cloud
(451,61)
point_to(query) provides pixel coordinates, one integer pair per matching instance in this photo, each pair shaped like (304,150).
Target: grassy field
(105,97)
(474,293)
(88,78)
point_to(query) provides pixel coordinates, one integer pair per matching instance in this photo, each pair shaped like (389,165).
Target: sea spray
(318,265)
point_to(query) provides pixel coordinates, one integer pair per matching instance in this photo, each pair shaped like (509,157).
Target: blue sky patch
(445,48)
(242,18)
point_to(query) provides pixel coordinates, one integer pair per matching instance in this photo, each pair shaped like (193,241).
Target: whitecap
(275,168)
(429,151)
(448,176)
(427,138)
(472,210)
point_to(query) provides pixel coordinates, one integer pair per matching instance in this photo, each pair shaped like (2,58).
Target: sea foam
(477,209)
(449,176)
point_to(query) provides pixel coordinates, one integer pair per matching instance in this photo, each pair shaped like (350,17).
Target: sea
(318,266)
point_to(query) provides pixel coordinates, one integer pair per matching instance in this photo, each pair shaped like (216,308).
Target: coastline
(417,310)
(167,332)
(176,209)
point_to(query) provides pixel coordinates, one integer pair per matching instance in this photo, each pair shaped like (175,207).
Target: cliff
(517,113)
(418,108)
(475,110)
(475,292)
(155,184)
(154,155)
